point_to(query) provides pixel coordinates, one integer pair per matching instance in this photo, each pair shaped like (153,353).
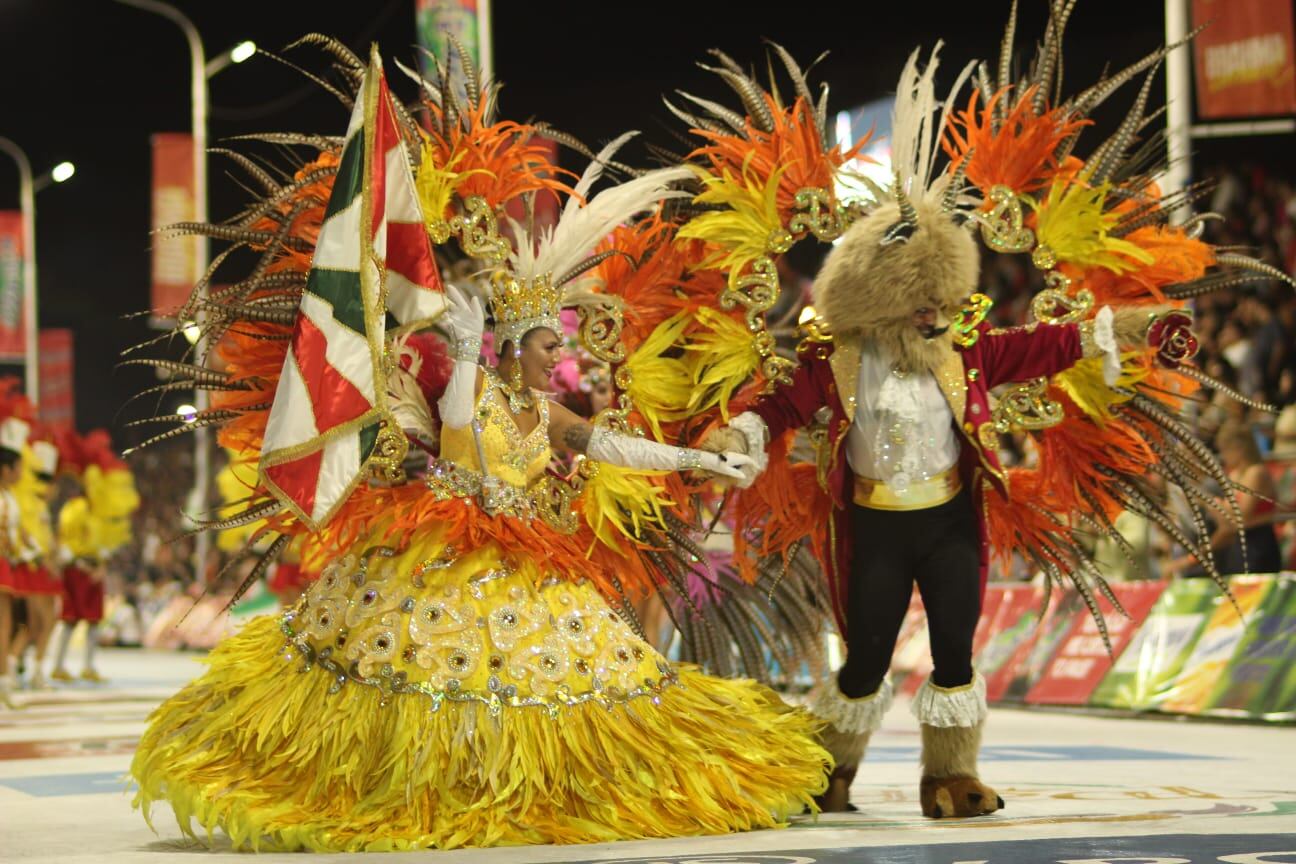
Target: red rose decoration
(1172,337)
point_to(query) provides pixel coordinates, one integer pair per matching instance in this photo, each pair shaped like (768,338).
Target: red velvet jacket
(828,377)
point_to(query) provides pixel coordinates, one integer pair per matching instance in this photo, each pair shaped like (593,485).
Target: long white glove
(629,451)
(464,319)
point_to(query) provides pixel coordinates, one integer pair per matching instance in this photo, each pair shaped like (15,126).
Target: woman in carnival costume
(92,527)
(456,675)
(37,576)
(13,438)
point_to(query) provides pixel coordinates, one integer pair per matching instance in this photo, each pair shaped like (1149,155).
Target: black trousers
(939,549)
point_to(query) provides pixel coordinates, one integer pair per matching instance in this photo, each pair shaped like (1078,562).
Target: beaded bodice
(517,460)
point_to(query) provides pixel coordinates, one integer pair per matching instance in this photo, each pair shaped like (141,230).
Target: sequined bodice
(514,458)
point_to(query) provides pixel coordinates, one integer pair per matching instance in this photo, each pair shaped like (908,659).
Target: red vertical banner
(1243,60)
(12,345)
(173,201)
(57,379)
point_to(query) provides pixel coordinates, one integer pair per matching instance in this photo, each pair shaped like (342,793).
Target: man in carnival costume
(897,376)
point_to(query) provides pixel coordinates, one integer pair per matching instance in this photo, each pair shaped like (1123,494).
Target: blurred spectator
(1256,550)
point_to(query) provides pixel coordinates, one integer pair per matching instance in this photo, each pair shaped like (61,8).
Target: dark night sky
(90,80)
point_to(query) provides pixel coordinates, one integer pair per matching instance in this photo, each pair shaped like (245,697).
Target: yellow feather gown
(441,697)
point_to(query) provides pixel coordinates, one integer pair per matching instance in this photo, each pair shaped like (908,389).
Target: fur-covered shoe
(957,797)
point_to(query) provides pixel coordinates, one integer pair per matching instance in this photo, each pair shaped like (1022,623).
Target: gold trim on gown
(439,697)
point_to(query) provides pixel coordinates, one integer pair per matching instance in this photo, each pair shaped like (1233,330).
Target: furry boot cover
(951,721)
(849,723)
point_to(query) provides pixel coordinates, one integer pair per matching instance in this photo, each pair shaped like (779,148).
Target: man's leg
(853,705)
(951,705)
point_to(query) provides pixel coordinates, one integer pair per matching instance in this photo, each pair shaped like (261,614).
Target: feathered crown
(532,291)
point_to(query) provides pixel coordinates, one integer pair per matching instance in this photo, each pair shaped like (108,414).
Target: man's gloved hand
(724,439)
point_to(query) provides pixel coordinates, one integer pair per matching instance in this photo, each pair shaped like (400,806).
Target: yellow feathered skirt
(437,699)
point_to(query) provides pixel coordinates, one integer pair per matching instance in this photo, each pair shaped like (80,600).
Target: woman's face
(541,351)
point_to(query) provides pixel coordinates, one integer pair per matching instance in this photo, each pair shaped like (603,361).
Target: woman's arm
(567,430)
(573,433)
(464,318)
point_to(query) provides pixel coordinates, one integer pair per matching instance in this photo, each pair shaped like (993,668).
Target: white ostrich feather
(915,131)
(581,227)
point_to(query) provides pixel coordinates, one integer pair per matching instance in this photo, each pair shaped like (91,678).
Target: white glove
(465,319)
(628,451)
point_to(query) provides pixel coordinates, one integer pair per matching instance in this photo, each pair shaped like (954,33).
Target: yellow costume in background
(468,695)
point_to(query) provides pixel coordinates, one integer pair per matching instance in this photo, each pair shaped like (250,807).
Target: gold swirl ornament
(1002,228)
(964,326)
(1056,305)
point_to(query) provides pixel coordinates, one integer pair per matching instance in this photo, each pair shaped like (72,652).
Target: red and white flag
(373,259)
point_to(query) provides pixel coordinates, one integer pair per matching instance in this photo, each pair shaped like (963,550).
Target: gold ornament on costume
(757,292)
(969,318)
(816,215)
(388,455)
(600,331)
(1026,408)
(1054,305)
(1044,258)
(553,498)
(1002,227)
(478,231)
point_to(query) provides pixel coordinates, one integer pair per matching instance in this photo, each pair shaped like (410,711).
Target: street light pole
(1178,100)
(198,499)
(27,204)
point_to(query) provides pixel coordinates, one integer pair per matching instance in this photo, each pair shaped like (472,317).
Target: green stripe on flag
(368,438)
(341,288)
(350,177)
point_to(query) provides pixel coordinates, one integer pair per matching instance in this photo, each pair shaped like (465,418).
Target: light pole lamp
(199,71)
(198,497)
(27,189)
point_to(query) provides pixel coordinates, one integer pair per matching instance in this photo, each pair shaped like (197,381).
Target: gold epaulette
(816,332)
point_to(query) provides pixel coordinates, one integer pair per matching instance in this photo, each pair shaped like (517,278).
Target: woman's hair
(1233,434)
(8,458)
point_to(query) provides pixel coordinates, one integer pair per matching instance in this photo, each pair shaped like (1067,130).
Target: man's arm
(793,405)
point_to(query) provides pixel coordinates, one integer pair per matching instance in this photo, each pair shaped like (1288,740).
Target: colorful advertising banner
(1258,680)
(174,273)
(1158,651)
(1082,660)
(11,287)
(1063,609)
(57,377)
(436,21)
(1012,632)
(1243,58)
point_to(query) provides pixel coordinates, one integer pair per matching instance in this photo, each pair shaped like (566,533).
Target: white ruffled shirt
(904,429)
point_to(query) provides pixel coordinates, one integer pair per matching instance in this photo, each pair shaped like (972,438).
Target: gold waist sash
(877,495)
